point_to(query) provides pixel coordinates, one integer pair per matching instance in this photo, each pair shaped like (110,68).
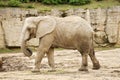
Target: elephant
(71,32)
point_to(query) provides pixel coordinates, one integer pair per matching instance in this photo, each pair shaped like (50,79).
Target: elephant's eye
(31,30)
(28,29)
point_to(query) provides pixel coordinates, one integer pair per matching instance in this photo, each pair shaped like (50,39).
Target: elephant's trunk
(27,52)
(24,38)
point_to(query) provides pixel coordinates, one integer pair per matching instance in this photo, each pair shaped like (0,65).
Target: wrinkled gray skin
(71,32)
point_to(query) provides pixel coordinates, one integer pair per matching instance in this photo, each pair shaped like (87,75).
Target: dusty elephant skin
(71,32)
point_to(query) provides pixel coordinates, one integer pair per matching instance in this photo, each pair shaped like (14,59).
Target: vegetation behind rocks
(58,3)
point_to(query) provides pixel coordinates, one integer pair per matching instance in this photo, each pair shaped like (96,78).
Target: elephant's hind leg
(95,62)
(84,65)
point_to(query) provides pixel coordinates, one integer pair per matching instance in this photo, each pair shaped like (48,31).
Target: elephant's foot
(36,70)
(96,66)
(83,69)
(2,69)
(52,70)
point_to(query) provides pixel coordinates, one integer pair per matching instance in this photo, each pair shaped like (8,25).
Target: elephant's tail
(92,44)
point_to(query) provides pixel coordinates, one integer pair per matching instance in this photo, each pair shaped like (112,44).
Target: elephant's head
(35,27)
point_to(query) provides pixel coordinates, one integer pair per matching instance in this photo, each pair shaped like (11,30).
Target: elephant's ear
(45,26)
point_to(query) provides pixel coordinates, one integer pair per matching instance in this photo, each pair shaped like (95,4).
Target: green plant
(50,2)
(74,2)
(118,1)
(30,6)
(24,1)
(14,3)
(63,1)
(99,0)
(55,1)
(79,2)
(2,4)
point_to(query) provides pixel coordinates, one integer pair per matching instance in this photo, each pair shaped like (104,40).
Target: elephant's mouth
(32,33)
(32,36)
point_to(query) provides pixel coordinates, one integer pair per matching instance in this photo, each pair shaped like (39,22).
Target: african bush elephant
(71,32)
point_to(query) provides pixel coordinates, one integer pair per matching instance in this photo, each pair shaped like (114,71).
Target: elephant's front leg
(50,56)
(38,59)
(45,44)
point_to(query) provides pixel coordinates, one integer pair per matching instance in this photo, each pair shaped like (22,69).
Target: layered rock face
(105,22)
(113,25)
(2,41)
(11,25)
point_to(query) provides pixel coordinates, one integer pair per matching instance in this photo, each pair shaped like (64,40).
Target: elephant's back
(73,25)
(84,24)
(71,30)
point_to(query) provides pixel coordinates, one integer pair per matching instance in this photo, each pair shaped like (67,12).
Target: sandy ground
(67,64)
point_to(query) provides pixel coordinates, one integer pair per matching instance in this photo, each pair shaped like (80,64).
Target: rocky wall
(105,22)
(12,20)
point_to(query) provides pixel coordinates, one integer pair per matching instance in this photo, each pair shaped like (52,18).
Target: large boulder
(98,19)
(12,30)
(100,37)
(12,22)
(112,24)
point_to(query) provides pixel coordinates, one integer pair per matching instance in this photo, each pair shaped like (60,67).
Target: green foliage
(14,3)
(74,2)
(38,4)
(99,0)
(64,1)
(24,1)
(118,1)
(79,2)
(2,4)
(46,1)
(51,1)
(30,6)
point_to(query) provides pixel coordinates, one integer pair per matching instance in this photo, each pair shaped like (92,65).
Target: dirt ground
(67,63)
